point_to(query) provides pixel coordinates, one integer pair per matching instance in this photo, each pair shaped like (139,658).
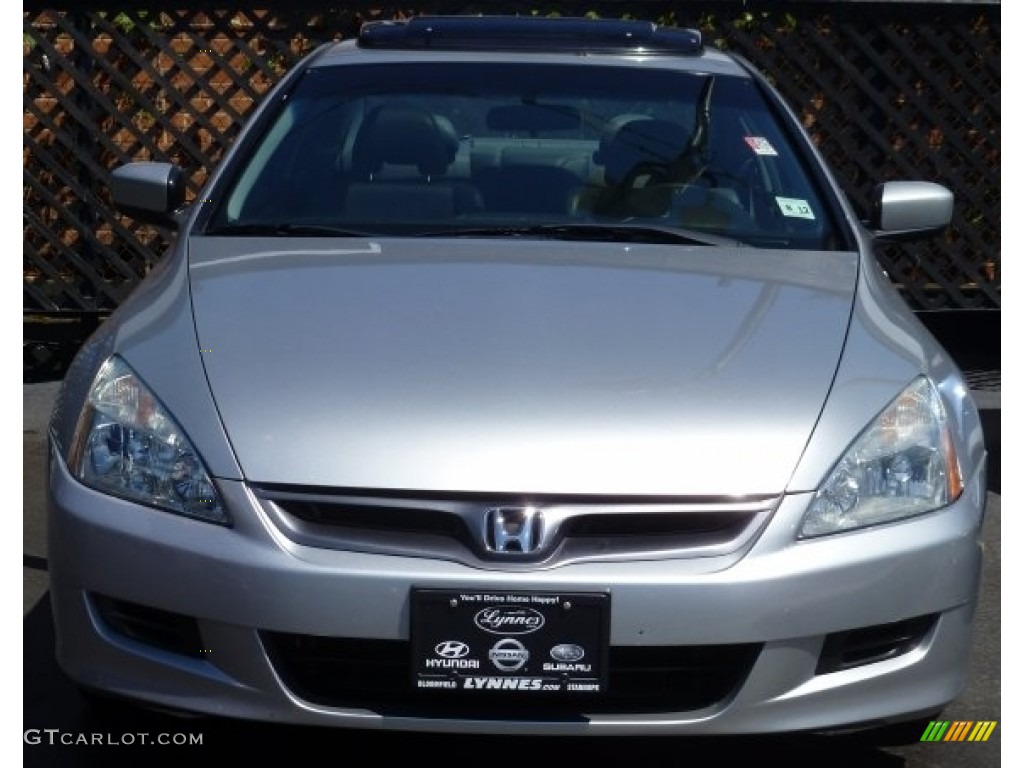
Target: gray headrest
(404,135)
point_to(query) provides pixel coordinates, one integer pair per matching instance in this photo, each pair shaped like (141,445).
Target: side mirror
(909,210)
(149,192)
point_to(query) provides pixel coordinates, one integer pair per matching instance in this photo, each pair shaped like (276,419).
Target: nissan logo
(567,652)
(451,649)
(509,620)
(509,655)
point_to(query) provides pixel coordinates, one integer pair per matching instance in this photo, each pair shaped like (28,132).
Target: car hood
(519,366)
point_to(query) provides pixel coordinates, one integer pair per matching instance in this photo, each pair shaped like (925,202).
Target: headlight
(903,464)
(126,444)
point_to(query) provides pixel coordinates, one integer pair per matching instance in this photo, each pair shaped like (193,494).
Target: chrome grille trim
(450,527)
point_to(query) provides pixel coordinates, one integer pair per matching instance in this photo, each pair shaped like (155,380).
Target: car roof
(491,39)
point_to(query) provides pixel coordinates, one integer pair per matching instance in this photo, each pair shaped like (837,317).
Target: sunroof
(526,33)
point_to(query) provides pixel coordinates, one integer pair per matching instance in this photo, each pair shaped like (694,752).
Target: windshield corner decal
(795,208)
(760,145)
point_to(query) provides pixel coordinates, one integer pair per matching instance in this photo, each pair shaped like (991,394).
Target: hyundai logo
(509,655)
(509,620)
(451,649)
(567,652)
(510,530)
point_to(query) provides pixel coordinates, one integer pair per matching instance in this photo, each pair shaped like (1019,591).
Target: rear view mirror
(533,118)
(908,210)
(149,192)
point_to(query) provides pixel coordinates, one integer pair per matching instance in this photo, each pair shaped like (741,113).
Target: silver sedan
(520,376)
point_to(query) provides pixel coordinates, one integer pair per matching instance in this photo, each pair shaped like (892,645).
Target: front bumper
(784,595)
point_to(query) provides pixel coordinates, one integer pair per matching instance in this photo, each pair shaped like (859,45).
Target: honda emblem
(512,529)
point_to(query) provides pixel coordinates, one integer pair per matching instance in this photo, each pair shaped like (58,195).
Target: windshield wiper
(627,233)
(284,229)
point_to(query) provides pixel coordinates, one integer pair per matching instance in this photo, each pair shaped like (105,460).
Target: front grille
(375,675)
(574,529)
(168,631)
(391,517)
(867,645)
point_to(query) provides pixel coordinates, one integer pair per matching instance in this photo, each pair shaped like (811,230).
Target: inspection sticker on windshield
(760,145)
(795,208)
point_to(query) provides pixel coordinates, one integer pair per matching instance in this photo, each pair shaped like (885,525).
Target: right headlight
(903,464)
(127,444)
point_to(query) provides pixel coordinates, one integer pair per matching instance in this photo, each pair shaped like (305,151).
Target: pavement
(39,399)
(38,404)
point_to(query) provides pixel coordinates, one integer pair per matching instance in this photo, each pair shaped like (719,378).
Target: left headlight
(903,464)
(127,444)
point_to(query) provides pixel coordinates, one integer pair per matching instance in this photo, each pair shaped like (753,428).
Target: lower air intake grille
(375,675)
(857,647)
(168,631)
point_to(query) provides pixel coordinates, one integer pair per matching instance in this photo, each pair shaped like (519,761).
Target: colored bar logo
(959,730)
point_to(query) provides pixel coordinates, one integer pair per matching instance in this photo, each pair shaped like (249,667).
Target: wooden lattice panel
(902,91)
(912,96)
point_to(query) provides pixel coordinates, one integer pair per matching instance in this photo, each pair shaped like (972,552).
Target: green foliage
(278,62)
(746,21)
(144,119)
(667,19)
(126,23)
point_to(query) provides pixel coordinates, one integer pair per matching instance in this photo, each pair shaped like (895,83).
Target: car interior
(422,162)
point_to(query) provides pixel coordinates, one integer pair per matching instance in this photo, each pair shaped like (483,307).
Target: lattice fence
(887,90)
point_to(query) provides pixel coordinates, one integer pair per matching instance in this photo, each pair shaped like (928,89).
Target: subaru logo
(512,529)
(509,655)
(567,652)
(451,649)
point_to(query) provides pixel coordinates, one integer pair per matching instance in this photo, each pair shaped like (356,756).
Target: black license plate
(510,642)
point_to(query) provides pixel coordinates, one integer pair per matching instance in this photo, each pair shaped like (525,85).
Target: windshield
(529,150)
